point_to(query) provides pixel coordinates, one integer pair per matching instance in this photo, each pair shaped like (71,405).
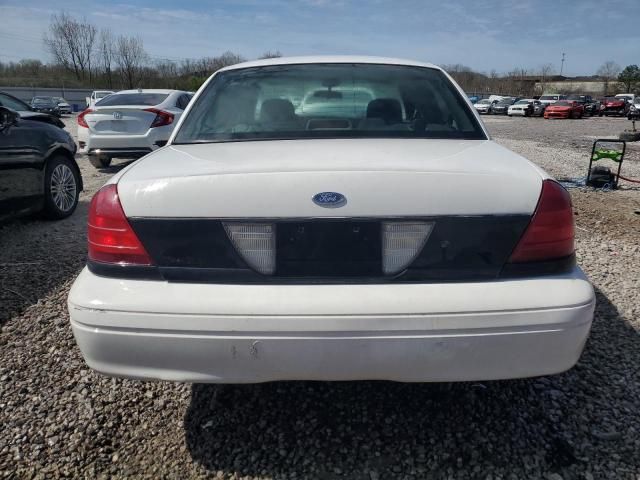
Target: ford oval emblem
(329,199)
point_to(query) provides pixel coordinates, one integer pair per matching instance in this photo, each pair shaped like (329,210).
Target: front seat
(279,113)
(388,110)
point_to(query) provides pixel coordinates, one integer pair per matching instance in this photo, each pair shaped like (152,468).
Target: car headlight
(633,108)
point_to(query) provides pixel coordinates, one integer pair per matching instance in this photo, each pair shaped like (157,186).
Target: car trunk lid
(119,120)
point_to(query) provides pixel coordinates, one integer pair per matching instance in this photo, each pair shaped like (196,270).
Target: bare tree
(131,59)
(71,42)
(106,55)
(270,54)
(609,71)
(546,71)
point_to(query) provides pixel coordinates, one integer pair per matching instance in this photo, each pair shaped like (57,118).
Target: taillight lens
(401,244)
(111,238)
(162,118)
(256,243)
(81,121)
(550,234)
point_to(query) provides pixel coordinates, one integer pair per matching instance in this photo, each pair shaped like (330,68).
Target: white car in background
(63,105)
(549,99)
(484,105)
(394,242)
(129,124)
(522,107)
(96,96)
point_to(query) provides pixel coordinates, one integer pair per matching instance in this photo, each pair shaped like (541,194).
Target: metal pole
(562,64)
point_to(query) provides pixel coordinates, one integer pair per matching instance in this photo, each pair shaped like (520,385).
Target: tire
(100,162)
(61,188)
(600,114)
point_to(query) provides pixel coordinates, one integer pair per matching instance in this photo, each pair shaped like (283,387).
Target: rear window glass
(549,97)
(329,101)
(118,99)
(563,103)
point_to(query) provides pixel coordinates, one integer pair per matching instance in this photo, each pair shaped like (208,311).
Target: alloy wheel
(63,188)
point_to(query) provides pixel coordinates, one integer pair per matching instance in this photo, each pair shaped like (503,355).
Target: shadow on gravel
(570,423)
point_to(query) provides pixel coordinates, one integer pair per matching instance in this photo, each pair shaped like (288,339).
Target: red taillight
(111,238)
(81,121)
(162,118)
(550,234)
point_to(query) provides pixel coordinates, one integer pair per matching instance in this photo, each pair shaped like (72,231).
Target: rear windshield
(329,101)
(118,99)
(563,103)
(522,102)
(549,97)
(42,100)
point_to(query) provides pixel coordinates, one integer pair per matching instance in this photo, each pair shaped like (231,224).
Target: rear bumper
(120,145)
(414,333)
(556,114)
(118,152)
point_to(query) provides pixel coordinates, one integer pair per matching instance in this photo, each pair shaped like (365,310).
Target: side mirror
(8,117)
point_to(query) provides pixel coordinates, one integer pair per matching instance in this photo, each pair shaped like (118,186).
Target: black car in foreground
(38,171)
(45,105)
(25,111)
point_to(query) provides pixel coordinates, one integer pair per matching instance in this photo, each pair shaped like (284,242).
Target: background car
(96,96)
(25,110)
(634,109)
(521,108)
(37,166)
(45,105)
(129,124)
(502,106)
(484,105)
(564,109)
(590,106)
(548,99)
(397,242)
(63,106)
(618,106)
(538,108)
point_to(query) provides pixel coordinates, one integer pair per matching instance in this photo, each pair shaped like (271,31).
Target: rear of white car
(129,124)
(392,242)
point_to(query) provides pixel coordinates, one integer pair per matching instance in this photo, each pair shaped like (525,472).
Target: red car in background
(564,109)
(614,106)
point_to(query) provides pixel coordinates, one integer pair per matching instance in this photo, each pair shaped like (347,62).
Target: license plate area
(328,248)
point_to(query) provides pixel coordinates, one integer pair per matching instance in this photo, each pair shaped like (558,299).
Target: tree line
(84,56)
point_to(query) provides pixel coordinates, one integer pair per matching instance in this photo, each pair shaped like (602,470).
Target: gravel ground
(59,419)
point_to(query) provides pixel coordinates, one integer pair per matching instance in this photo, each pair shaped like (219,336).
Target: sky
(485,35)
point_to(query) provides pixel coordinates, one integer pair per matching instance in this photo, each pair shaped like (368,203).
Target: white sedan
(389,241)
(129,124)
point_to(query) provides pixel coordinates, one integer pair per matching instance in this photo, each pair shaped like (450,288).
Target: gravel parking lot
(59,419)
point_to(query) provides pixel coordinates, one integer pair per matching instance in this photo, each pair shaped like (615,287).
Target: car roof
(329,59)
(149,90)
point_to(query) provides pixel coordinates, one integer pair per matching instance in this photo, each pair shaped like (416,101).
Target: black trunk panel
(328,249)
(331,250)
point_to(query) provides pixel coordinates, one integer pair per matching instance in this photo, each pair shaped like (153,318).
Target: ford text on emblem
(329,199)
(117,115)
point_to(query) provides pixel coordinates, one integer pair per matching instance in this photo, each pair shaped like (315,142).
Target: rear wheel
(61,188)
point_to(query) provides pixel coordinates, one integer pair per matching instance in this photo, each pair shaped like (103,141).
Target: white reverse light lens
(256,244)
(401,243)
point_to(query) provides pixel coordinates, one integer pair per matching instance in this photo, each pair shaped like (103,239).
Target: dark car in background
(25,111)
(614,106)
(502,106)
(590,106)
(38,171)
(45,105)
